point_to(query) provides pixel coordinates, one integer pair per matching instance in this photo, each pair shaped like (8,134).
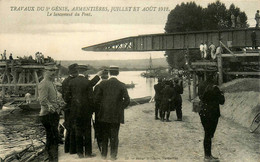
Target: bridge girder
(178,41)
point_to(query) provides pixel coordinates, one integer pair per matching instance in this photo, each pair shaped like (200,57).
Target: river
(143,87)
(20,128)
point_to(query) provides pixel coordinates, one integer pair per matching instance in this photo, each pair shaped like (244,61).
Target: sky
(29,26)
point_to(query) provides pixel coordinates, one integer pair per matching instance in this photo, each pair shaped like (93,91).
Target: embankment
(242,100)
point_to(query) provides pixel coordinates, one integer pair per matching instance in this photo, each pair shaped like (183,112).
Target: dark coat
(211,97)
(178,91)
(81,92)
(113,97)
(65,91)
(158,91)
(168,96)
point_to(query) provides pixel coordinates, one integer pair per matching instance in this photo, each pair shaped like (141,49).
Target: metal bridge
(236,38)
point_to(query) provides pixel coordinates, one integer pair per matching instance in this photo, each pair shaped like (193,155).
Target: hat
(50,67)
(72,68)
(82,67)
(113,70)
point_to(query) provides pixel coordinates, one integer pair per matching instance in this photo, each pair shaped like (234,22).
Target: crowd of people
(107,101)
(168,98)
(4,57)
(39,58)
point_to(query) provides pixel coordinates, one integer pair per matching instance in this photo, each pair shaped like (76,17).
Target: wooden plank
(242,73)
(201,69)
(241,55)
(204,63)
(21,84)
(30,66)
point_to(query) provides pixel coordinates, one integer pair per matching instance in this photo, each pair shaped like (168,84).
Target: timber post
(194,78)
(37,84)
(220,69)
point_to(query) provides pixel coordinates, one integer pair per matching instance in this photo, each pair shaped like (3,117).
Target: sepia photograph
(129,80)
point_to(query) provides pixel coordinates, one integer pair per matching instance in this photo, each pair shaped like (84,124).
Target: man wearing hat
(97,124)
(70,143)
(49,111)
(81,92)
(158,97)
(211,97)
(114,98)
(178,88)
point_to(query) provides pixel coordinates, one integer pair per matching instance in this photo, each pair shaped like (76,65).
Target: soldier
(210,97)
(168,96)
(257,18)
(158,97)
(80,90)
(233,20)
(114,98)
(49,114)
(70,143)
(178,89)
(253,38)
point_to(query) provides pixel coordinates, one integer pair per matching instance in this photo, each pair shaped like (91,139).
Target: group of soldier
(168,98)
(107,101)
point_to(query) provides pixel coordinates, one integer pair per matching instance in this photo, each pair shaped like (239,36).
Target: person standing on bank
(211,97)
(113,97)
(49,114)
(257,19)
(253,38)
(178,89)
(80,90)
(158,98)
(168,97)
(97,124)
(70,143)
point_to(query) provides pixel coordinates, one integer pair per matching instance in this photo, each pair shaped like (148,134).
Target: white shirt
(201,47)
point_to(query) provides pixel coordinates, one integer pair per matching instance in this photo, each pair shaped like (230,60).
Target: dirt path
(142,138)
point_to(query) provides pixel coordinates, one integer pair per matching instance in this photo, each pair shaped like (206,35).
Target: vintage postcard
(134,36)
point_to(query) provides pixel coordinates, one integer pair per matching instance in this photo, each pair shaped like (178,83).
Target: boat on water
(35,105)
(138,101)
(132,85)
(152,72)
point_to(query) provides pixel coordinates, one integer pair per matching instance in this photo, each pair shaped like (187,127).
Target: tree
(184,17)
(215,16)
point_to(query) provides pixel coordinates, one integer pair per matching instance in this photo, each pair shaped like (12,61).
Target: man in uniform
(70,143)
(210,96)
(253,38)
(80,90)
(178,89)
(257,19)
(49,114)
(158,97)
(114,98)
(168,96)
